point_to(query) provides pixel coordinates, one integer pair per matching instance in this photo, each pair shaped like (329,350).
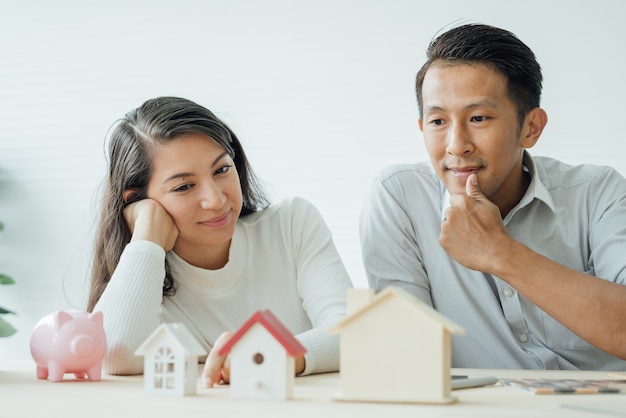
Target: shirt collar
(536,189)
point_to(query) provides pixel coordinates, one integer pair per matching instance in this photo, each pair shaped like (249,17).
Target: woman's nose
(212,196)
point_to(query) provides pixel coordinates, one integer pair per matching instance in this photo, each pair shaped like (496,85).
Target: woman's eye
(223,169)
(182,188)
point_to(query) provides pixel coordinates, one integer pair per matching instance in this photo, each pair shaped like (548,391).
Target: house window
(164,368)
(258,358)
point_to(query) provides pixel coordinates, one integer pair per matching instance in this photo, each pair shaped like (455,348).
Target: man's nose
(458,141)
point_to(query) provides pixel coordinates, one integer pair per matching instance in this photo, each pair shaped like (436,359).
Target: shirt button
(508,292)
(522,338)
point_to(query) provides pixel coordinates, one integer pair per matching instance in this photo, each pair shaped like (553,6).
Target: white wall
(321,94)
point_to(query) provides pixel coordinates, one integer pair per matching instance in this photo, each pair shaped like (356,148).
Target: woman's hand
(216,367)
(148,220)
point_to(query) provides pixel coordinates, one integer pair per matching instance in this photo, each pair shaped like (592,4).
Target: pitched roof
(412,302)
(274,327)
(179,331)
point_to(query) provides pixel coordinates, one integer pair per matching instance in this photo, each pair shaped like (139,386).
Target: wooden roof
(413,303)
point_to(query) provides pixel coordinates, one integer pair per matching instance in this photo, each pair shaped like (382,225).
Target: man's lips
(463,171)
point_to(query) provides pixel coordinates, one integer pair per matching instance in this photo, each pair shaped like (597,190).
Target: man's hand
(148,220)
(473,232)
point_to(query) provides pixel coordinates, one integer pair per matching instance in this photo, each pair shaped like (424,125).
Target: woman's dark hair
(157,121)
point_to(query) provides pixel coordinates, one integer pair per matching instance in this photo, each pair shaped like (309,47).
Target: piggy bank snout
(82,345)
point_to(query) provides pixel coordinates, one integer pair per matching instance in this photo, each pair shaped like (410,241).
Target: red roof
(274,326)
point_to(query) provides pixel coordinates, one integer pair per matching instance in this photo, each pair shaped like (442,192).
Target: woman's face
(196,181)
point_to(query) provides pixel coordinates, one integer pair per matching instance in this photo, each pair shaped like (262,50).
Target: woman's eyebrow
(219,157)
(180,175)
(176,176)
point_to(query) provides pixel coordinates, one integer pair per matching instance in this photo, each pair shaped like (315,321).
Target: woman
(187,235)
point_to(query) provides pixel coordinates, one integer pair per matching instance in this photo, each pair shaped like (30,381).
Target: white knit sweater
(281,258)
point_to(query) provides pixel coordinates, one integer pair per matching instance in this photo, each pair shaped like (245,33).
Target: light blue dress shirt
(574,215)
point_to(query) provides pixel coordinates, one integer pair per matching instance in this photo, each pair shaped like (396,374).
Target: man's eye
(479,118)
(437,122)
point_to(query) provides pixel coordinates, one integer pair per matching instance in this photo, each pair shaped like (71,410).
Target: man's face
(471,126)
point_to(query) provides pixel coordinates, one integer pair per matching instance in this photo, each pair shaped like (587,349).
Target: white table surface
(23,395)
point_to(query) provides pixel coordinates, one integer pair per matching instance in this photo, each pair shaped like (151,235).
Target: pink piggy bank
(69,342)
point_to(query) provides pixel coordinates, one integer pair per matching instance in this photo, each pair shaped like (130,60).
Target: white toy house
(394,334)
(262,359)
(170,360)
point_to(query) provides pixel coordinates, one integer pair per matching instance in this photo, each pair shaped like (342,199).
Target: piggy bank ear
(60,318)
(96,317)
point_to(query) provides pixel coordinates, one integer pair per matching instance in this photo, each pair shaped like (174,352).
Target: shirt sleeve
(131,305)
(390,251)
(322,283)
(607,229)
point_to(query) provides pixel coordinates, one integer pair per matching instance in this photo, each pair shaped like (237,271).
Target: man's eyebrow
(432,109)
(181,175)
(484,102)
(479,103)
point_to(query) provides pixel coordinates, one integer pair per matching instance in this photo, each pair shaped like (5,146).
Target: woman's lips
(217,221)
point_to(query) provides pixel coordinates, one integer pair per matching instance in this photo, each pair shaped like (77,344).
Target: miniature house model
(394,334)
(262,359)
(170,360)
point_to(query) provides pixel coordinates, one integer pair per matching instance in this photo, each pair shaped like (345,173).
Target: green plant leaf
(6,330)
(5,311)
(4,279)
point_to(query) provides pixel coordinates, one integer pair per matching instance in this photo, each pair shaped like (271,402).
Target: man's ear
(420,124)
(536,120)
(129,194)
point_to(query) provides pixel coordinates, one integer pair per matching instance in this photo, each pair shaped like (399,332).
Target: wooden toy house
(394,334)
(262,359)
(170,360)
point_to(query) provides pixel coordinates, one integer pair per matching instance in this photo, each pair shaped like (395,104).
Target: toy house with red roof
(394,334)
(262,357)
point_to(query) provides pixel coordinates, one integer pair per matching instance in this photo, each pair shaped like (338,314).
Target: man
(528,254)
